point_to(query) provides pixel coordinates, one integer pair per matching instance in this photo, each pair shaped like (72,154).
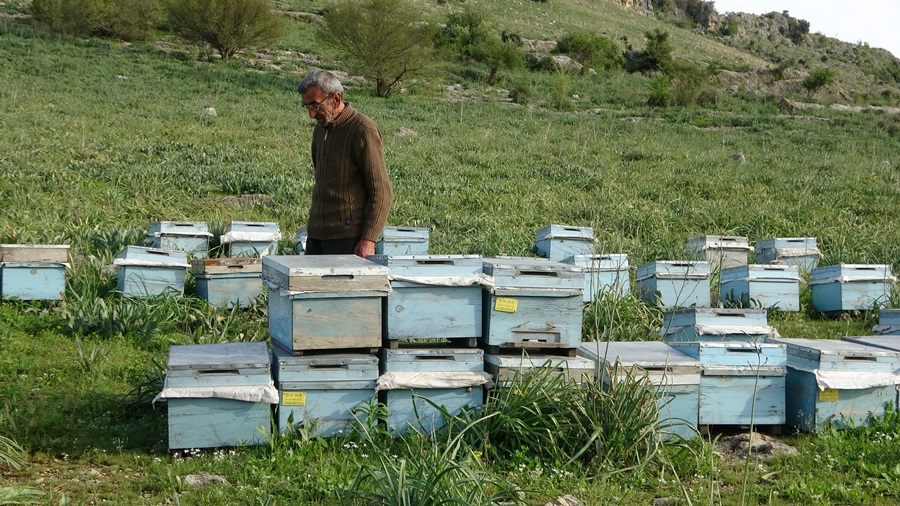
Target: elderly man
(352,192)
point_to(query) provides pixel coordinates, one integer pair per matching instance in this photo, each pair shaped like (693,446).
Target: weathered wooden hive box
(251,239)
(145,272)
(558,242)
(674,283)
(837,382)
(716,325)
(325,302)
(402,241)
(847,287)
(721,251)
(228,282)
(433,296)
(761,286)
(675,375)
(415,380)
(603,273)
(321,391)
(800,251)
(192,237)
(534,303)
(740,383)
(507,369)
(218,395)
(888,322)
(33,271)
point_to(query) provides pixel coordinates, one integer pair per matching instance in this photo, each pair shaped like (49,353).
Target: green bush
(227,25)
(129,19)
(77,18)
(382,40)
(661,92)
(497,55)
(591,50)
(656,56)
(818,79)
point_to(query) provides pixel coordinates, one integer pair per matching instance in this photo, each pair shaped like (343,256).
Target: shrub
(656,56)
(591,50)
(382,40)
(77,18)
(129,19)
(497,55)
(227,25)
(818,79)
(687,81)
(661,93)
(464,30)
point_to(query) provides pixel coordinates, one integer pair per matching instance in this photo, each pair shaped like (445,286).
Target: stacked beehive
(33,271)
(191,237)
(251,239)
(147,272)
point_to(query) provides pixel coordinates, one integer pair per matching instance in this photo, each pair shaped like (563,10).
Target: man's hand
(364,248)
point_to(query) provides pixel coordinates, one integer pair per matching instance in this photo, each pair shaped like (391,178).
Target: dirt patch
(762,446)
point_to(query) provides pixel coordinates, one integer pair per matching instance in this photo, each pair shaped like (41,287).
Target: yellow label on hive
(828,395)
(293,398)
(506,305)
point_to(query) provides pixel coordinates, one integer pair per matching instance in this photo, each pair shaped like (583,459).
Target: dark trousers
(330,247)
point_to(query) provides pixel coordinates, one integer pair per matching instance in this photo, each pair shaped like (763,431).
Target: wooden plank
(34,253)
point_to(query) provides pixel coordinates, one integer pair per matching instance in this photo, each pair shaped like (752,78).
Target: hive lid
(218,356)
(226,266)
(311,273)
(34,253)
(569,232)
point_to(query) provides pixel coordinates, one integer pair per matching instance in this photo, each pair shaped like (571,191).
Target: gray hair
(323,79)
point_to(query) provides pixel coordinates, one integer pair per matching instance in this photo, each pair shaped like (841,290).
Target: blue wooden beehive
(534,303)
(674,283)
(740,383)
(676,376)
(192,237)
(218,395)
(888,322)
(432,296)
(716,325)
(324,302)
(145,272)
(720,251)
(505,369)
(847,287)
(451,378)
(402,241)
(840,383)
(761,286)
(228,282)
(251,238)
(558,242)
(33,271)
(603,273)
(321,391)
(300,240)
(800,251)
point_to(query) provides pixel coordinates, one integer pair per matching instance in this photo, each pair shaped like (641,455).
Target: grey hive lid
(222,355)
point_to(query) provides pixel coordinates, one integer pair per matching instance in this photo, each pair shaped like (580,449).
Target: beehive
(251,239)
(840,383)
(720,251)
(761,286)
(192,237)
(146,272)
(506,369)
(800,251)
(228,282)
(675,375)
(300,240)
(674,283)
(603,273)
(848,287)
(716,325)
(559,242)
(402,241)
(33,271)
(888,322)
(325,302)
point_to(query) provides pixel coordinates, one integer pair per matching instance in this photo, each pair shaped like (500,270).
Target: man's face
(321,107)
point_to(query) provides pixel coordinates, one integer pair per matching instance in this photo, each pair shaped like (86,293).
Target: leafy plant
(591,49)
(228,26)
(818,79)
(76,18)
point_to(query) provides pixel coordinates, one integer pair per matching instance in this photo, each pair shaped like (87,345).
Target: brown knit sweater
(352,194)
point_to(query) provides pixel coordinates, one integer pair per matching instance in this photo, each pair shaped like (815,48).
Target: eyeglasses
(317,106)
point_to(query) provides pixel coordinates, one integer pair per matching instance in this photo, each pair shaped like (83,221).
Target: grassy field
(99,138)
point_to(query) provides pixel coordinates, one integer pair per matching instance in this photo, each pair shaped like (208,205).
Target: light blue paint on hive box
(761,286)
(674,283)
(716,325)
(33,281)
(402,241)
(509,369)
(416,408)
(603,273)
(325,302)
(228,282)
(888,322)
(813,363)
(323,390)
(675,375)
(251,238)
(740,383)
(215,422)
(192,237)
(432,296)
(534,303)
(800,251)
(720,251)
(847,287)
(145,272)
(558,242)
